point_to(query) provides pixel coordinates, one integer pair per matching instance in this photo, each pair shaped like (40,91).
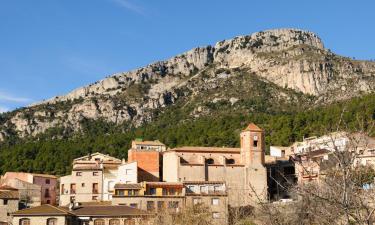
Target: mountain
(273,71)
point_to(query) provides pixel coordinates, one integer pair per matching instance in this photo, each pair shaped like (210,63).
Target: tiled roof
(252,127)
(204,182)
(205,149)
(95,210)
(45,210)
(113,210)
(174,184)
(128,186)
(44,175)
(6,187)
(156,142)
(9,194)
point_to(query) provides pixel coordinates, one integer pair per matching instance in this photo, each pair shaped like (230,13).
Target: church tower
(252,146)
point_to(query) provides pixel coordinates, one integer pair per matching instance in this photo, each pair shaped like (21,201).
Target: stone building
(93,178)
(30,194)
(148,156)
(9,203)
(211,194)
(241,168)
(80,215)
(151,196)
(47,185)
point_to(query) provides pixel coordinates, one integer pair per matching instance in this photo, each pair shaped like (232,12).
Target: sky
(50,47)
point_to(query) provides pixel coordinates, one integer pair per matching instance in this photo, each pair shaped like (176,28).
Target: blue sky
(49,47)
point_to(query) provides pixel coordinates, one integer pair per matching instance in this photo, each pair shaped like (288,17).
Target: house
(242,168)
(93,178)
(30,194)
(211,194)
(47,184)
(80,215)
(9,203)
(151,196)
(148,156)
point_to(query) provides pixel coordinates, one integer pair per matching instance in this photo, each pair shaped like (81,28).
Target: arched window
(210,161)
(99,222)
(24,221)
(52,221)
(230,161)
(114,222)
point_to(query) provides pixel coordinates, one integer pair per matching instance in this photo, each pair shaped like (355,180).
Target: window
(120,192)
(83,185)
(215,215)
(133,205)
(197,201)
(62,189)
(129,222)
(24,221)
(215,201)
(114,222)
(48,201)
(152,191)
(99,222)
(95,173)
(46,193)
(95,188)
(94,198)
(161,205)
(173,205)
(164,191)
(48,181)
(210,161)
(72,188)
(150,205)
(52,221)
(203,189)
(172,191)
(5,202)
(255,143)
(130,192)
(230,161)
(217,188)
(78,174)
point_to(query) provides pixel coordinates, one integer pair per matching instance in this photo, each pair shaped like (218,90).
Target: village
(104,190)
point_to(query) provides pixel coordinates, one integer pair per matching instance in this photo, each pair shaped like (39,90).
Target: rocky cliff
(290,62)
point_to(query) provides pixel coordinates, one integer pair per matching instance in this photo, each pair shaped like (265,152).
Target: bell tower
(252,146)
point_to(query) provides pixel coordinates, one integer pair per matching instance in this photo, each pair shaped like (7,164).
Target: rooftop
(9,194)
(92,210)
(128,186)
(156,142)
(252,127)
(205,149)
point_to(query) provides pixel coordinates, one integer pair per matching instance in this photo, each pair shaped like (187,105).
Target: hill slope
(285,65)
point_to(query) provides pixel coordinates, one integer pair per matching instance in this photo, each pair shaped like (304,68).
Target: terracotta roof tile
(253,127)
(128,186)
(9,194)
(47,210)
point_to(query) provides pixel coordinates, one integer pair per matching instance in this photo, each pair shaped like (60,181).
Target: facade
(148,156)
(30,194)
(93,178)
(80,215)
(9,203)
(242,169)
(151,196)
(47,184)
(211,194)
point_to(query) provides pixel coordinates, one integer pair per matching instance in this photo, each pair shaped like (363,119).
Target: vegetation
(54,151)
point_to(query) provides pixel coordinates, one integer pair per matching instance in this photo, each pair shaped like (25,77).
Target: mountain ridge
(291,59)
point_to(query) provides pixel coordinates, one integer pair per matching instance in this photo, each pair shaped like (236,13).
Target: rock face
(288,58)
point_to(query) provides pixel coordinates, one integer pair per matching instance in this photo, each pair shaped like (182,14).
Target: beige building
(30,194)
(151,196)
(211,194)
(47,185)
(93,178)
(9,203)
(80,215)
(241,168)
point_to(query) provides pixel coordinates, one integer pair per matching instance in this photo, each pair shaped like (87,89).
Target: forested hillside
(53,151)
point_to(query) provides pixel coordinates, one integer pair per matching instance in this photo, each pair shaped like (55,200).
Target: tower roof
(252,127)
